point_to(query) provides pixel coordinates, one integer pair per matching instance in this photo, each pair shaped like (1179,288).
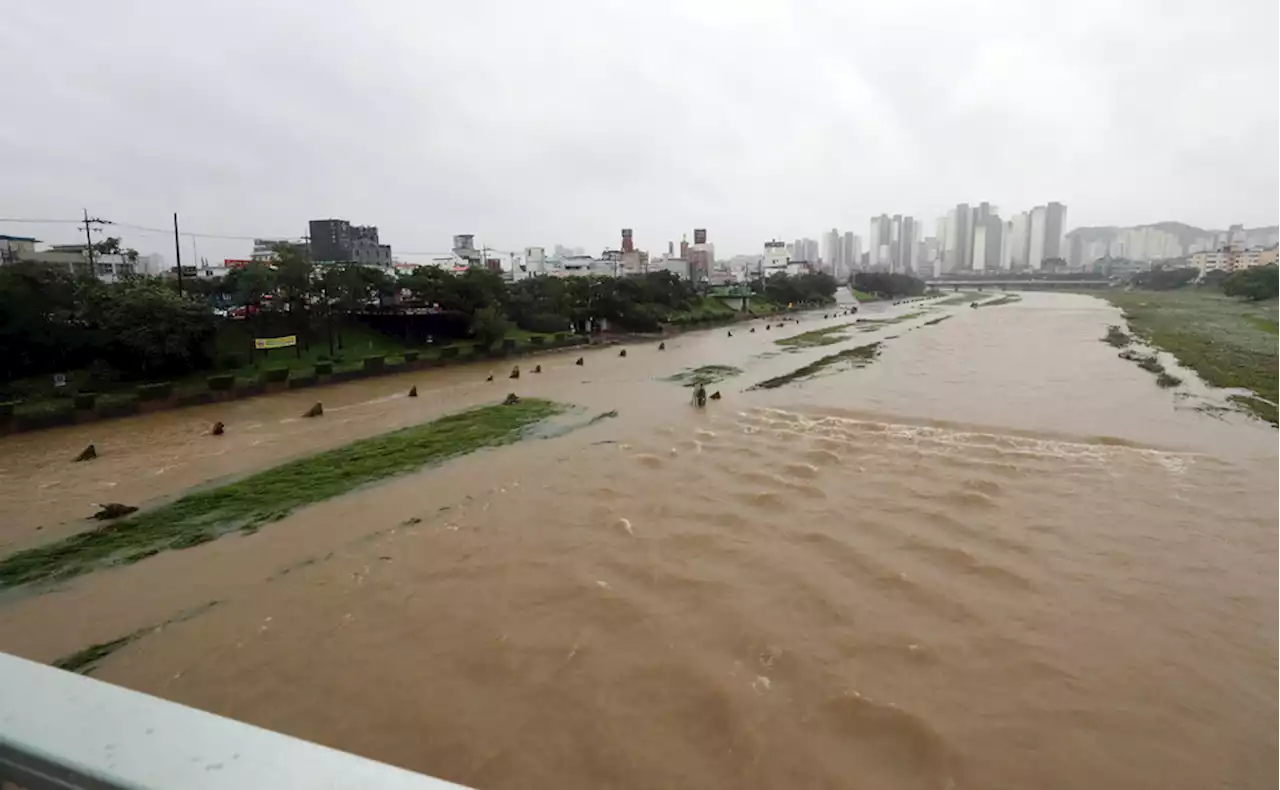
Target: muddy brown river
(997,556)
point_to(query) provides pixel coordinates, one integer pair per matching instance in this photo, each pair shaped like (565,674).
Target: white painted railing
(62,730)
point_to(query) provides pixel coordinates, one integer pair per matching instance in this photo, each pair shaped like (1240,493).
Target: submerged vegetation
(851,358)
(707,374)
(1228,342)
(816,337)
(1117,337)
(273,494)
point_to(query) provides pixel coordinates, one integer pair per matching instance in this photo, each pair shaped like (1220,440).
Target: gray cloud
(563,121)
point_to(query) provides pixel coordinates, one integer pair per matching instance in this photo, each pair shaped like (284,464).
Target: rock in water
(662,346)
(87,454)
(622,353)
(715,395)
(730,333)
(315,411)
(515,372)
(537,368)
(113,510)
(766,327)
(413,391)
(490,377)
(511,400)
(753,329)
(218,429)
(579,362)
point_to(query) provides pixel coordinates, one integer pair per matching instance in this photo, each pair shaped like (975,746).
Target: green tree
(248,284)
(1254,284)
(488,325)
(144,329)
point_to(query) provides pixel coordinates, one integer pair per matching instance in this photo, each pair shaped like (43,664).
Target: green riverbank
(1228,342)
(273,494)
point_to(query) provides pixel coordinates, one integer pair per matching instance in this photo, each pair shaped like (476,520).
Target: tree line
(143,328)
(1255,284)
(887,285)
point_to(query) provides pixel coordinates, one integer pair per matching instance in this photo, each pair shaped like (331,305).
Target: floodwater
(997,556)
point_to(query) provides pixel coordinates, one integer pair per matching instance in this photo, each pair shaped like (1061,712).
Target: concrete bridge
(1015,283)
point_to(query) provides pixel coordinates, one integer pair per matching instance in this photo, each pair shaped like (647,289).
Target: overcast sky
(532,123)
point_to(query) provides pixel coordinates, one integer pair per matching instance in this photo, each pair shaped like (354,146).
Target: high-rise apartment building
(831,252)
(878,241)
(1055,225)
(1036,242)
(963,229)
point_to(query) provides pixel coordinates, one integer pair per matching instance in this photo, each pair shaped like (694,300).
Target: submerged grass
(86,660)
(1006,299)
(816,337)
(853,357)
(273,494)
(935,321)
(707,374)
(872,324)
(1117,337)
(1229,343)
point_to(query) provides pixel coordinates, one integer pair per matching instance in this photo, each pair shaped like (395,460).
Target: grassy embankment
(233,352)
(273,494)
(1229,343)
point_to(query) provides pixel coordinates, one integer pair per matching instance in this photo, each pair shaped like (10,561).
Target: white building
(1035,243)
(775,257)
(980,247)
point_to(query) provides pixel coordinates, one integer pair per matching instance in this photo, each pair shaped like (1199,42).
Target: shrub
(544,322)
(375,363)
(449,352)
(158,391)
(411,356)
(222,382)
(85,400)
(232,361)
(298,382)
(275,375)
(508,344)
(538,340)
(324,368)
(561,336)
(6,408)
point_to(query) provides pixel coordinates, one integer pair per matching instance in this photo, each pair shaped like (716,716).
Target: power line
(41,221)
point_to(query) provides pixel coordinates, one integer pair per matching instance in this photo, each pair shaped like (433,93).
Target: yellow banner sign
(275,342)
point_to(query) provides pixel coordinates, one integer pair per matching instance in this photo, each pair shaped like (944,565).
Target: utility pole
(177,251)
(89,222)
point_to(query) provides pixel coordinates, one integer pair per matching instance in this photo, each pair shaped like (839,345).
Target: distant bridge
(1013,282)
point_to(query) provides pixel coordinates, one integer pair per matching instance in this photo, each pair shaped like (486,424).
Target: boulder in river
(730,333)
(715,395)
(113,510)
(490,377)
(87,454)
(537,368)
(622,353)
(662,346)
(218,429)
(315,411)
(413,391)
(515,372)
(511,399)
(579,362)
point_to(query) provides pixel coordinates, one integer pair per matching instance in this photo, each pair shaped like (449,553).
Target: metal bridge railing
(59,730)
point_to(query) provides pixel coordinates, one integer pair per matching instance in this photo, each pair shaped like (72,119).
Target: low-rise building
(1231,258)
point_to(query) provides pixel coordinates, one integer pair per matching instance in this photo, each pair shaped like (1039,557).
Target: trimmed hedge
(6,408)
(508,344)
(449,352)
(538,340)
(374,364)
(411,356)
(85,400)
(560,337)
(275,375)
(158,391)
(324,368)
(298,382)
(222,383)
